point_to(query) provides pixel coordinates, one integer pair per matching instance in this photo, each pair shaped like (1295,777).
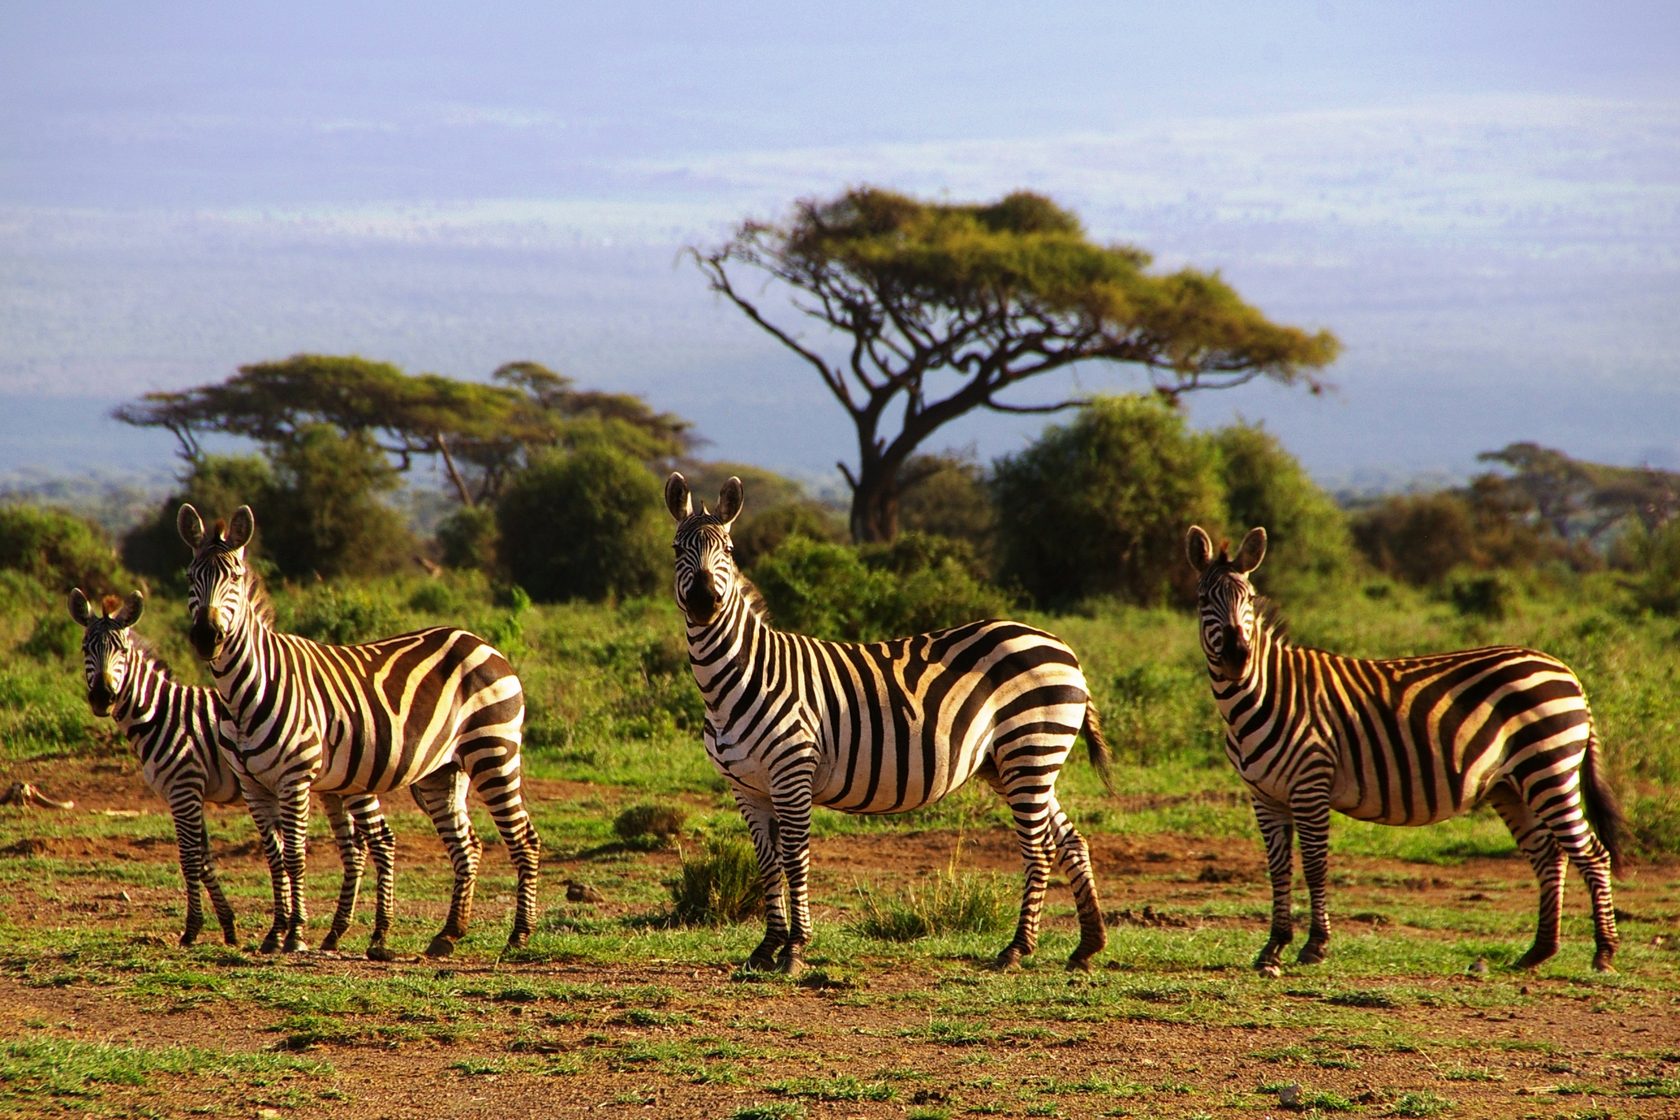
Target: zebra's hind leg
(373,831)
(1026,803)
(766,841)
(1278,831)
(1073,858)
(1548,860)
(1567,822)
(442,795)
(352,852)
(500,788)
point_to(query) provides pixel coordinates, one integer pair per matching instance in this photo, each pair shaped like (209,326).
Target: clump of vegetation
(59,549)
(650,826)
(951,902)
(340,615)
(718,886)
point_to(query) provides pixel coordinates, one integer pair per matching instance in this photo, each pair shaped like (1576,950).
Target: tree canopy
(950,306)
(482,431)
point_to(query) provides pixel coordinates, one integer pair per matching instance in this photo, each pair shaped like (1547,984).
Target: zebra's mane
(1270,615)
(754,597)
(256,594)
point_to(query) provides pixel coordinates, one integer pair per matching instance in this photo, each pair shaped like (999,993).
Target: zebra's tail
(1101,756)
(1604,811)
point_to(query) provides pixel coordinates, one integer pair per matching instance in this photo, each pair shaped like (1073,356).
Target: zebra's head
(105,645)
(1225,600)
(705,556)
(216,579)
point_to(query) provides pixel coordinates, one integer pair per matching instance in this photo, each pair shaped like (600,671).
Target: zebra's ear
(677,498)
(1199,547)
(240,527)
(729,501)
(80,609)
(190,525)
(131,608)
(1251,551)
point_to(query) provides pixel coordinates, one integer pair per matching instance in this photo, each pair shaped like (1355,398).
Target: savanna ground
(607,1011)
(613,1010)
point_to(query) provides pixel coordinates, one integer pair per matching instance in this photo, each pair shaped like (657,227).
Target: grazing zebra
(433,710)
(1407,741)
(181,736)
(883,727)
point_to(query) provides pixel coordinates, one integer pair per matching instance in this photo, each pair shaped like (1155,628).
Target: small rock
(1289,1096)
(582,892)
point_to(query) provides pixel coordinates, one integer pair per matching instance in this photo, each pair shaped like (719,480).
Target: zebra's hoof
(440,948)
(269,943)
(228,936)
(188,937)
(1269,971)
(1602,961)
(296,944)
(1539,954)
(380,953)
(1077,963)
(518,939)
(329,943)
(765,962)
(1312,953)
(1009,959)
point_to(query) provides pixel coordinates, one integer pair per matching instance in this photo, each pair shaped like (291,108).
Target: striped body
(432,711)
(884,727)
(177,732)
(1404,741)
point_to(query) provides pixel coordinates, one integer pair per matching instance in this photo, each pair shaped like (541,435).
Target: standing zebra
(431,710)
(1407,741)
(883,727)
(183,740)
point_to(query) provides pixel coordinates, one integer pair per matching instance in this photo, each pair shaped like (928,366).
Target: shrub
(324,516)
(763,533)
(216,486)
(947,496)
(911,586)
(951,902)
(1100,506)
(1418,538)
(1654,558)
(1488,595)
(585,525)
(649,826)
(467,538)
(719,886)
(60,550)
(1307,533)
(342,616)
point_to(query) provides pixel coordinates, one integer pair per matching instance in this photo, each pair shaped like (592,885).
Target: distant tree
(586,525)
(325,517)
(1099,506)
(947,307)
(946,495)
(1578,499)
(1419,538)
(1307,533)
(481,432)
(59,550)
(216,485)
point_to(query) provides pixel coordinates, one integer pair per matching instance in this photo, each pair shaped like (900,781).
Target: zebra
(433,710)
(1404,741)
(183,740)
(882,727)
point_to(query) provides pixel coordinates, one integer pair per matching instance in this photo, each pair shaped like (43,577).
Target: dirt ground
(1563,1055)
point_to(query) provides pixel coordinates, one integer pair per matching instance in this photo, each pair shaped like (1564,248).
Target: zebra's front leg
(1278,831)
(188,814)
(213,886)
(265,813)
(352,853)
(1311,805)
(294,829)
(761,826)
(1030,832)
(793,832)
(443,796)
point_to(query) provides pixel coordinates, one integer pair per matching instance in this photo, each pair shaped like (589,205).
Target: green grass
(77,1074)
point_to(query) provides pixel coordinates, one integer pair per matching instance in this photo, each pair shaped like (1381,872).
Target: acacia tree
(481,432)
(950,306)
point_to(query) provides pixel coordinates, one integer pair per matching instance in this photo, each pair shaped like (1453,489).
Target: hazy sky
(1481,199)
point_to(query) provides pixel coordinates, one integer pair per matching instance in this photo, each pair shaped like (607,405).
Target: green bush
(1654,558)
(1488,595)
(1418,537)
(761,534)
(1307,538)
(340,615)
(911,586)
(467,538)
(60,550)
(649,826)
(951,902)
(718,886)
(1100,506)
(947,496)
(216,486)
(586,525)
(324,517)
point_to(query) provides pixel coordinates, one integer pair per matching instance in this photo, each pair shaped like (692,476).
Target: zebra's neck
(246,652)
(721,651)
(143,689)
(1266,664)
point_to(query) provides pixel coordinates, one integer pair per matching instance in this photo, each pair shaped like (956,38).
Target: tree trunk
(875,504)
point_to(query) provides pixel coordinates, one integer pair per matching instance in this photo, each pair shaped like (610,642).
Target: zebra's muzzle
(100,699)
(206,638)
(700,604)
